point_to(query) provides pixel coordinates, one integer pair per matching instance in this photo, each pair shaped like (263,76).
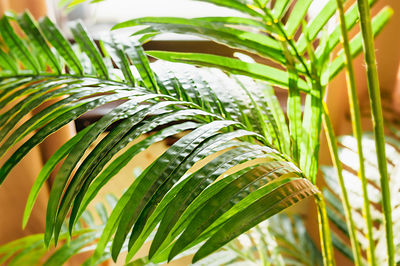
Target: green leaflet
(65,105)
(30,255)
(40,87)
(296,17)
(169,252)
(47,169)
(257,43)
(112,223)
(342,246)
(62,46)
(32,250)
(235,66)
(294,114)
(139,59)
(87,45)
(158,214)
(8,85)
(7,63)
(317,24)
(262,114)
(230,21)
(234,4)
(118,54)
(312,119)
(10,248)
(280,8)
(279,116)
(35,36)
(230,195)
(65,252)
(28,104)
(351,17)
(17,47)
(378,23)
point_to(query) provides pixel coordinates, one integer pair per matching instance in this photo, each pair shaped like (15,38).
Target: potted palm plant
(256,160)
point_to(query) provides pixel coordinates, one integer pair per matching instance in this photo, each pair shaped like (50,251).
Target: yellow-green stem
(357,132)
(326,242)
(324,231)
(377,119)
(330,136)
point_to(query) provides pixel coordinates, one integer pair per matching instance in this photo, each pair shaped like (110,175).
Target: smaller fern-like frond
(353,184)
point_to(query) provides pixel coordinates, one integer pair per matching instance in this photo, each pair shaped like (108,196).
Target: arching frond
(234,137)
(278,32)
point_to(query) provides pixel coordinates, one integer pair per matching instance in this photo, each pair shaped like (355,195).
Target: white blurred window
(100,17)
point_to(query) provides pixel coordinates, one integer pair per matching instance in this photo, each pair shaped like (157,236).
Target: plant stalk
(377,119)
(330,136)
(324,231)
(357,133)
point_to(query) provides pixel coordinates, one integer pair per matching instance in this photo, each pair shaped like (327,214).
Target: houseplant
(246,126)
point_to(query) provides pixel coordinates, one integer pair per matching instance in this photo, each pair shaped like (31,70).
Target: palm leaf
(304,69)
(227,126)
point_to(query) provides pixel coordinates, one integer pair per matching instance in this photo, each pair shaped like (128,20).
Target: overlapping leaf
(236,128)
(276,31)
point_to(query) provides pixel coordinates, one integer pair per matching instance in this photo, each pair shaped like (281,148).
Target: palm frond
(304,62)
(262,180)
(336,212)
(252,38)
(267,33)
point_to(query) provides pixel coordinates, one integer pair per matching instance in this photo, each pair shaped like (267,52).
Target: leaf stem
(377,119)
(280,28)
(324,231)
(357,132)
(330,136)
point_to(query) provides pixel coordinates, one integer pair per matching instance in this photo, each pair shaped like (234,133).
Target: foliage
(32,250)
(218,123)
(335,208)
(281,238)
(272,158)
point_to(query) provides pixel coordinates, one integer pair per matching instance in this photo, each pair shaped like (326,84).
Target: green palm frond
(32,250)
(332,195)
(301,55)
(232,127)
(266,33)
(306,58)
